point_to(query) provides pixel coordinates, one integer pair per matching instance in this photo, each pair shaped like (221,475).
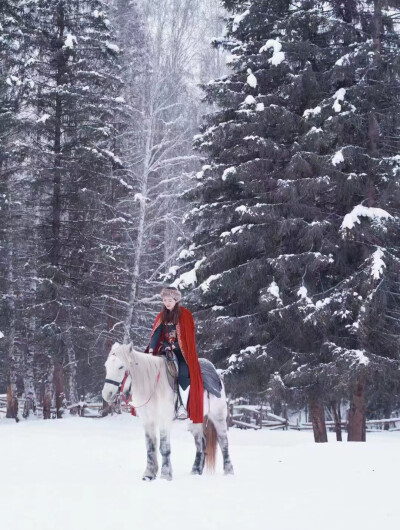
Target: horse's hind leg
(222,436)
(197,431)
(165,450)
(151,442)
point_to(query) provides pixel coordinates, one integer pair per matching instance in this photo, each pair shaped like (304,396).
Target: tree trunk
(28,376)
(140,233)
(373,124)
(12,401)
(48,388)
(377,27)
(56,198)
(47,402)
(337,419)
(29,352)
(318,420)
(72,362)
(357,414)
(387,414)
(349,10)
(55,380)
(59,389)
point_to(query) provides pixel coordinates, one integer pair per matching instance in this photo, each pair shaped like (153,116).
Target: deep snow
(81,473)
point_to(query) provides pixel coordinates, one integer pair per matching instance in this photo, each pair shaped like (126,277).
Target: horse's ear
(112,350)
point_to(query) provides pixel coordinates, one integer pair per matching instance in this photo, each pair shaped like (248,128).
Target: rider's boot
(182,401)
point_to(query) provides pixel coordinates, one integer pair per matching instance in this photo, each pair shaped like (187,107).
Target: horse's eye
(120,368)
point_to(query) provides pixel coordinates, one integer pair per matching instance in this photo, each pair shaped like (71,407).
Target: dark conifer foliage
(59,245)
(97,111)
(290,254)
(295,258)
(15,87)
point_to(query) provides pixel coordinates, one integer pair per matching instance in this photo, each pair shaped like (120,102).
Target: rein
(151,395)
(122,384)
(121,390)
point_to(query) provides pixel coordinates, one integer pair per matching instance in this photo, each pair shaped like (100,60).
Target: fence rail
(242,416)
(83,409)
(256,417)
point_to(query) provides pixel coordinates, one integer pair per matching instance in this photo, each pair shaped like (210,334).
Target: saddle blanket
(211,380)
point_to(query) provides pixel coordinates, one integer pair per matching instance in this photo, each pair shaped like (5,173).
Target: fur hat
(172,292)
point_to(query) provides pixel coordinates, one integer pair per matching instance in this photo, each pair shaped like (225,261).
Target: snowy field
(85,474)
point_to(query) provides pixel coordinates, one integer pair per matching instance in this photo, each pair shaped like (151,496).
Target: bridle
(121,385)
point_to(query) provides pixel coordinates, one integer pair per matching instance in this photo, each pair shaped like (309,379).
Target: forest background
(279,222)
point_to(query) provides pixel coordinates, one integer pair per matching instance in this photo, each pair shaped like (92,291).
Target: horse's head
(118,378)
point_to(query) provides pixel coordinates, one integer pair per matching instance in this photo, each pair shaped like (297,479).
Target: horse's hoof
(166,477)
(148,478)
(195,472)
(229,471)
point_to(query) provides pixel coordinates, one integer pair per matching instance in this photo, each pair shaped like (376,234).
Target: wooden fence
(239,415)
(255,417)
(259,417)
(83,409)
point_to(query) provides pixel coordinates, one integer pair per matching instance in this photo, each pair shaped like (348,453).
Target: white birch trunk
(139,242)
(72,386)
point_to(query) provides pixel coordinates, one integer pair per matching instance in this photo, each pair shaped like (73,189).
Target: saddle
(211,380)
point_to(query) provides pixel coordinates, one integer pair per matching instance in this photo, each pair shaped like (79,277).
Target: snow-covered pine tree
(355,336)
(234,227)
(6,121)
(295,249)
(80,167)
(15,86)
(68,137)
(134,61)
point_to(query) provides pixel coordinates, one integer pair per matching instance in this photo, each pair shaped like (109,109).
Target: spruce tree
(15,87)
(80,102)
(67,130)
(295,256)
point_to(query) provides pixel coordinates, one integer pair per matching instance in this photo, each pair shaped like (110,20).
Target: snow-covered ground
(85,474)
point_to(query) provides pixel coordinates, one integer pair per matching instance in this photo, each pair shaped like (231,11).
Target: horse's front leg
(165,450)
(200,441)
(151,443)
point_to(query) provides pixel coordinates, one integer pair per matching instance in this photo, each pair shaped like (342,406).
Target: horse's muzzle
(109,394)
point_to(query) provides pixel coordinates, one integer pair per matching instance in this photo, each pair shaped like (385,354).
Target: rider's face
(169,302)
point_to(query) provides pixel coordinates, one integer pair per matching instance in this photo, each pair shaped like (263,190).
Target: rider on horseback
(173,335)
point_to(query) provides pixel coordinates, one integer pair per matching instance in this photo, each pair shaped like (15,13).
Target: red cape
(186,338)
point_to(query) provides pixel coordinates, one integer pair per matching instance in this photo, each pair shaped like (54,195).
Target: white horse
(144,377)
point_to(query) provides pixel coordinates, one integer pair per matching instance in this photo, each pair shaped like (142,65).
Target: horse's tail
(211,444)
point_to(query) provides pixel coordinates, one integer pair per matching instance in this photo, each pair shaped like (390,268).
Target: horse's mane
(143,367)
